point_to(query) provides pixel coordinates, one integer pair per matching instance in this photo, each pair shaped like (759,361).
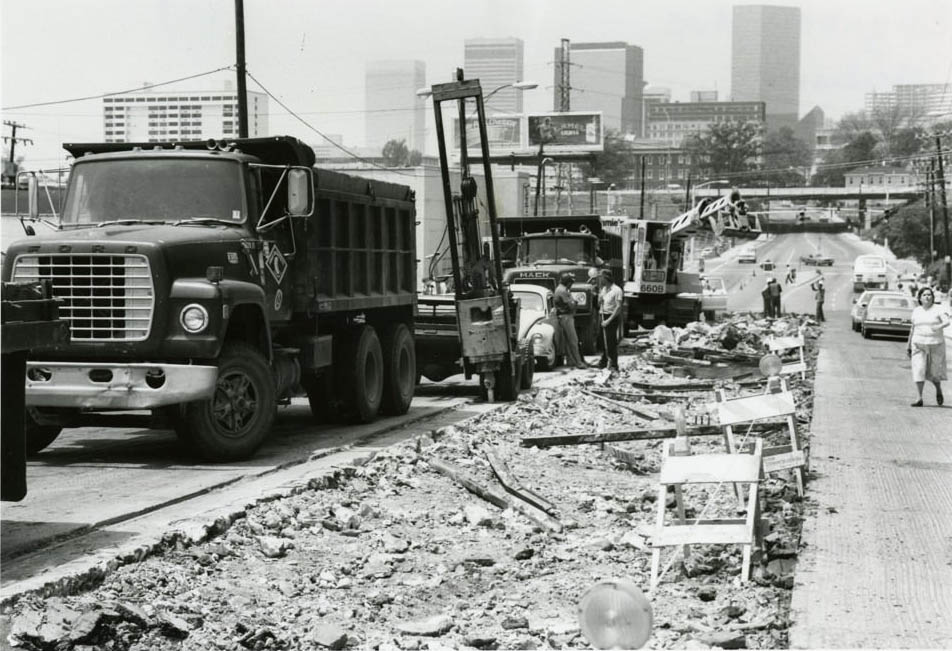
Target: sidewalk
(876,565)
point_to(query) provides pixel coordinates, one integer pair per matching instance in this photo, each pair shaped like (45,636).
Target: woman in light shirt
(926,346)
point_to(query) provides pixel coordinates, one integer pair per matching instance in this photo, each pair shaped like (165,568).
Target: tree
(787,159)
(908,233)
(727,148)
(395,153)
(614,164)
(859,151)
(414,158)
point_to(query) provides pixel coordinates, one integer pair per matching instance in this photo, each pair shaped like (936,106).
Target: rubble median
(400,551)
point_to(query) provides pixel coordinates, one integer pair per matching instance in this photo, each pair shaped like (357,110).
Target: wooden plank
(796,367)
(711,534)
(630,395)
(676,386)
(742,410)
(616,434)
(625,456)
(783,343)
(710,469)
(515,487)
(782,458)
(638,411)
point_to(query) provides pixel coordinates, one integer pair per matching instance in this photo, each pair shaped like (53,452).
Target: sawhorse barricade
(678,470)
(737,411)
(780,344)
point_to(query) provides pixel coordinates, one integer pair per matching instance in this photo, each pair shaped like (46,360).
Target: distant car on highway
(747,257)
(709,252)
(888,313)
(858,311)
(816,259)
(767,265)
(536,322)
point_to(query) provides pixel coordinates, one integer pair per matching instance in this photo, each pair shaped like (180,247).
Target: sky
(312,54)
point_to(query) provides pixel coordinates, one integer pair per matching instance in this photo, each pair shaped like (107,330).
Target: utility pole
(13,143)
(642,188)
(240,69)
(930,197)
(945,210)
(565,101)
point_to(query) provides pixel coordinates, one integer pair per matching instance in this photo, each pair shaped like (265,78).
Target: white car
(748,257)
(537,322)
(858,312)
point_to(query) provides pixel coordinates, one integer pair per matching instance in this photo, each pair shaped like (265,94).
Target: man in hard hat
(819,293)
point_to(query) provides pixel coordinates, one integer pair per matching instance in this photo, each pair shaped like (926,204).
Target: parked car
(537,322)
(747,257)
(767,265)
(817,260)
(858,311)
(708,252)
(888,314)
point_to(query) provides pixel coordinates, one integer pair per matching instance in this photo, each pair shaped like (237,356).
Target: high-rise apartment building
(159,116)
(921,103)
(765,61)
(496,62)
(607,77)
(703,95)
(394,111)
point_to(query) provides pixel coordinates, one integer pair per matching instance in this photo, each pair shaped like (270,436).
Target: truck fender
(242,304)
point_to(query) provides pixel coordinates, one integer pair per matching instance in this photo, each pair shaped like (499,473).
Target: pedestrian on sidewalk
(610,300)
(926,344)
(565,313)
(774,289)
(819,293)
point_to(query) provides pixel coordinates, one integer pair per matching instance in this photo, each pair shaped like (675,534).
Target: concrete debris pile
(466,538)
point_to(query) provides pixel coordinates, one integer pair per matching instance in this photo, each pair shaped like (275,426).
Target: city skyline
(394,83)
(314,61)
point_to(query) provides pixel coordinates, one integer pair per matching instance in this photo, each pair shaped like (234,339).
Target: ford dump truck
(210,282)
(548,247)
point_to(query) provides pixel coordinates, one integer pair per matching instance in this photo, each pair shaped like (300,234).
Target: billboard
(504,133)
(568,132)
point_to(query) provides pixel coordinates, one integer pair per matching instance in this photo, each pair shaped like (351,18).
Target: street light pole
(945,210)
(240,68)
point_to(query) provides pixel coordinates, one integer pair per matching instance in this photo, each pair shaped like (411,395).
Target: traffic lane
(92,476)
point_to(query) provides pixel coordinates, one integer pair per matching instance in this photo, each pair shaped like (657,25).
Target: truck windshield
(565,250)
(166,189)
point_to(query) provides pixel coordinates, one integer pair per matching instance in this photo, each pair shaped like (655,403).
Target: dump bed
(361,245)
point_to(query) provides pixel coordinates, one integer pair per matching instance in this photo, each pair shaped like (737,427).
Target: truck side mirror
(33,198)
(299,181)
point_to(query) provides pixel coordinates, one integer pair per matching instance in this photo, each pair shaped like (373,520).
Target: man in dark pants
(565,312)
(774,290)
(819,292)
(610,300)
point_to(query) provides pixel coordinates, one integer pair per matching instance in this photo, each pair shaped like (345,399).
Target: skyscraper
(765,61)
(607,77)
(394,111)
(496,62)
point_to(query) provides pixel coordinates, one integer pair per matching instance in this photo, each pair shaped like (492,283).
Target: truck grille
(105,297)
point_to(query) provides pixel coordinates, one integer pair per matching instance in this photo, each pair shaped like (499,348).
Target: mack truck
(548,247)
(209,282)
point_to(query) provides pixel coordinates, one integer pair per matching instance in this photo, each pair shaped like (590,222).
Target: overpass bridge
(849,193)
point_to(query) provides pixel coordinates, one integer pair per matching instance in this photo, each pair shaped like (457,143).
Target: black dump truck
(210,282)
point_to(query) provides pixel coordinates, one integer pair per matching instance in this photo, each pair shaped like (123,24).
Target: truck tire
(38,437)
(363,375)
(234,423)
(399,369)
(528,367)
(589,338)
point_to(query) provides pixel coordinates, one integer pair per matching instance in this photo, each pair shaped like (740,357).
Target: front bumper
(116,386)
(885,327)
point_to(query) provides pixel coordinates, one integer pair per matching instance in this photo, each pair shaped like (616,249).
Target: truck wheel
(38,437)
(590,334)
(399,369)
(528,367)
(363,374)
(234,423)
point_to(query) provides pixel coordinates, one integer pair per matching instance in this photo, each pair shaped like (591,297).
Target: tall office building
(672,122)
(159,116)
(496,62)
(607,77)
(765,61)
(394,111)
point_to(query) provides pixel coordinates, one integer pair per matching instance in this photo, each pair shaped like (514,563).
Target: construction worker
(819,293)
(610,300)
(565,312)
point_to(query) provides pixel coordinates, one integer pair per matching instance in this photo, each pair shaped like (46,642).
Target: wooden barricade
(780,344)
(678,470)
(738,411)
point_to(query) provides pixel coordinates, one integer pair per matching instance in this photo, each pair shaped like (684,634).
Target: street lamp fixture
(518,85)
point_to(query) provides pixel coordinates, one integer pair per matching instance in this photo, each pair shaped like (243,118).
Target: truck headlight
(194,318)
(580,298)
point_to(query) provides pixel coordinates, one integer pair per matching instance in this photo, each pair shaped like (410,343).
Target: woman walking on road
(926,347)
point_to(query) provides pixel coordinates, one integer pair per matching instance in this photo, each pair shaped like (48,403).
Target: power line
(321,133)
(120,92)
